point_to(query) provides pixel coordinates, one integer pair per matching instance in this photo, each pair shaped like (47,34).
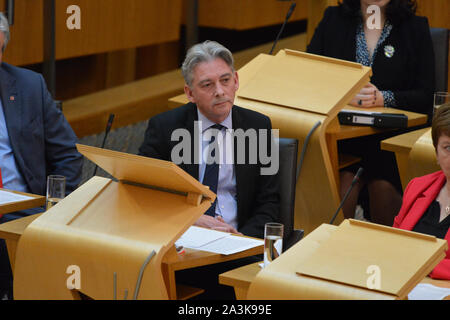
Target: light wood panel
(422,158)
(241,278)
(282,278)
(106,228)
(401,145)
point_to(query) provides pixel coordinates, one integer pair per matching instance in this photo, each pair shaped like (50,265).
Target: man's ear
(236,77)
(188,93)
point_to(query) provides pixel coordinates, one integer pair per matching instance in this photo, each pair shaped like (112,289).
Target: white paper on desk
(195,237)
(426,291)
(231,244)
(215,241)
(10,197)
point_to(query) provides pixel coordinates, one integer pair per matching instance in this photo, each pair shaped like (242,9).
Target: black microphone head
(291,10)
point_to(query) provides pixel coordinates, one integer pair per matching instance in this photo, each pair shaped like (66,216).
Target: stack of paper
(216,241)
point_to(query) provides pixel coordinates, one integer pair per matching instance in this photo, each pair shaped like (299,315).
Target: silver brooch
(389,51)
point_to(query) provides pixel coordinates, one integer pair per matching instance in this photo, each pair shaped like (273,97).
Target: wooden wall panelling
(26,45)
(156,59)
(106,25)
(247,14)
(109,25)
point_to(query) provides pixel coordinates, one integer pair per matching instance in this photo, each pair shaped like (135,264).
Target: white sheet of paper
(10,197)
(195,237)
(215,241)
(231,244)
(426,291)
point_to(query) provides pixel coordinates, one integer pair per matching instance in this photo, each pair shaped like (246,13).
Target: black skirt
(377,164)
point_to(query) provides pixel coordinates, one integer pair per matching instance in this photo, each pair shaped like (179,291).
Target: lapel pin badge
(389,51)
(12,98)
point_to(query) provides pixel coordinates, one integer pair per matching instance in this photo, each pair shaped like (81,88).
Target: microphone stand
(108,128)
(291,10)
(355,179)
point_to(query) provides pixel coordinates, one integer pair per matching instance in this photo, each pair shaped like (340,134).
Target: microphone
(108,128)
(355,179)
(9,11)
(291,10)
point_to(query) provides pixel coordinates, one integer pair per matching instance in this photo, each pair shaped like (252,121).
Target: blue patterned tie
(211,176)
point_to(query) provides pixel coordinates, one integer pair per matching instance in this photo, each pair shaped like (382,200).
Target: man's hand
(368,97)
(215,223)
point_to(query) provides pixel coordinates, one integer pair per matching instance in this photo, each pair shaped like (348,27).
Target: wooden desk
(11,232)
(241,278)
(401,145)
(414,152)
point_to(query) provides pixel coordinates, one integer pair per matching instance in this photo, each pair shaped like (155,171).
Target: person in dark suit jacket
(211,83)
(400,52)
(246,198)
(426,202)
(35,141)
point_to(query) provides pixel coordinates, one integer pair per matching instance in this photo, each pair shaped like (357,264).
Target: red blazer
(418,196)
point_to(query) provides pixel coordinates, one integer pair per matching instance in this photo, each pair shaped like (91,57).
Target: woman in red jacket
(426,201)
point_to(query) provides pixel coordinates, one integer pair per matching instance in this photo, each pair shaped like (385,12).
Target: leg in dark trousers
(5,273)
(207,277)
(6,277)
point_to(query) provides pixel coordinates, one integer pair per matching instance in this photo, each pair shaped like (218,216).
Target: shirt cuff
(389,99)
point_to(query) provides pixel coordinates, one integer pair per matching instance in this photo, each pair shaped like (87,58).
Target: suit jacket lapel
(191,117)
(11,107)
(422,203)
(239,168)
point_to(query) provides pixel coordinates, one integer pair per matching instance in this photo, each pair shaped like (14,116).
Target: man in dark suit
(35,141)
(247,199)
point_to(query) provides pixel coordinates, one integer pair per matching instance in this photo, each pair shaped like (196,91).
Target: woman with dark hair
(397,45)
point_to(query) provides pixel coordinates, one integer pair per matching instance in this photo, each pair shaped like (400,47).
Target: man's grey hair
(204,52)
(4,27)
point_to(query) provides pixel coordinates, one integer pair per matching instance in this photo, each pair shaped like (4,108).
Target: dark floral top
(363,56)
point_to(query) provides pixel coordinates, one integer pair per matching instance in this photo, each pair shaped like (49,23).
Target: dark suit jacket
(409,74)
(257,195)
(418,196)
(41,139)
